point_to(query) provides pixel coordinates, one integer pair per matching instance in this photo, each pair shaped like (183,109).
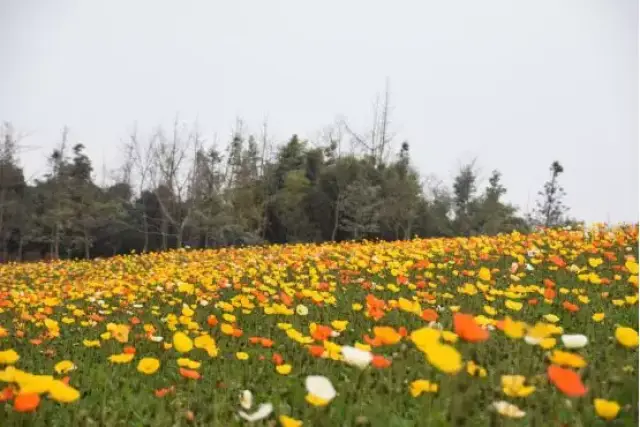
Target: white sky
(516,84)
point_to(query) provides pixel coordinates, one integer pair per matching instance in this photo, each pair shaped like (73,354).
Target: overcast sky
(515,84)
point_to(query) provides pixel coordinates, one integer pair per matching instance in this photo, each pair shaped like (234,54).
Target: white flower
(508,410)
(302,310)
(532,340)
(320,386)
(335,334)
(246,399)
(264,410)
(204,303)
(356,357)
(574,340)
(138,305)
(157,338)
(529,267)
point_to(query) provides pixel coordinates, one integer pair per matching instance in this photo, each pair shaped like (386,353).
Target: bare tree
(140,162)
(378,140)
(175,179)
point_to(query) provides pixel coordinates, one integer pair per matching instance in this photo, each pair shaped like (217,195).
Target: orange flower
(189,373)
(254,340)
(375,307)
(374,342)
(548,283)
(532,301)
(557,261)
(237,332)
(380,362)
(277,359)
(429,315)
(566,380)
(387,335)
(6,394)
(161,392)
(129,350)
(286,299)
(36,341)
(66,379)
(134,320)
(266,342)
(321,333)
(212,320)
(316,350)
(465,326)
(549,293)
(27,402)
(570,307)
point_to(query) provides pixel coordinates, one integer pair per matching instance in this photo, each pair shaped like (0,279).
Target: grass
(327,280)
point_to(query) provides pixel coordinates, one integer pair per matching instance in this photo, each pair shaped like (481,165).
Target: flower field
(515,329)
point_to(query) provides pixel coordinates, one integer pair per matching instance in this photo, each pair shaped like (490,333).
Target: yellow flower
(63,393)
(513,305)
(286,421)
(548,343)
(188,363)
(490,310)
(484,274)
(417,387)
(606,409)
(627,337)
(444,357)
(284,369)
(356,306)
(229,317)
(339,325)
(121,358)
(475,370)
(9,357)
(64,366)
(425,337)
(514,329)
(204,341)
(564,358)
(182,343)
(121,333)
(513,386)
(148,365)
(449,337)
(226,329)
(552,318)
(29,383)
(241,355)
(105,336)
(187,311)
(598,317)
(8,375)
(632,266)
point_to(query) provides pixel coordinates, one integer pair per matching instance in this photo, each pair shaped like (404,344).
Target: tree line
(172,190)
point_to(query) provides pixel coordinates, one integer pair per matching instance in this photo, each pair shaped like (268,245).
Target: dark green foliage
(177,192)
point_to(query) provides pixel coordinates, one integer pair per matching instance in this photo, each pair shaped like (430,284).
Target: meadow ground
(536,329)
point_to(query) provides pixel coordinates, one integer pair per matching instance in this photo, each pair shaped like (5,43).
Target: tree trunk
(87,254)
(145,226)
(20,248)
(336,222)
